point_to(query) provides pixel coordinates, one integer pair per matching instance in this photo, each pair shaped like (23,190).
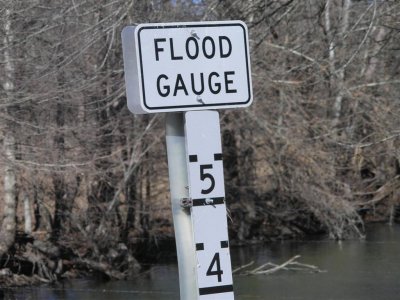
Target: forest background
(84,181)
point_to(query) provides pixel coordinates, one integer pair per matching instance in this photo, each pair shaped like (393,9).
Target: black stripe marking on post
(193,158)
(203,201)
(218,156)
(216,289)
(224,244)
(199,246)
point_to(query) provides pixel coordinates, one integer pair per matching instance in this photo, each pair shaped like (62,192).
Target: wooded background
(85,181)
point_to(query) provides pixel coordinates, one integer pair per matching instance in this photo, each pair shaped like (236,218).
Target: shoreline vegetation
(84,183)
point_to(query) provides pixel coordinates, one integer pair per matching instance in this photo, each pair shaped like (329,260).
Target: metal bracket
(186,202)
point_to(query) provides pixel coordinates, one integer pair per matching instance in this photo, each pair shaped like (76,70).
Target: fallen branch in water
(243,267)
(269,268)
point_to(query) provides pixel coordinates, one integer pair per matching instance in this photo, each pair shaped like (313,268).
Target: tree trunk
(27,214)
(8,226)
(337,108)
(372,63)
(131,199)
(337,76)
(61,213)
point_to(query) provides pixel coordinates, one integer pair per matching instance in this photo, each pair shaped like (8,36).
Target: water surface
(367,269)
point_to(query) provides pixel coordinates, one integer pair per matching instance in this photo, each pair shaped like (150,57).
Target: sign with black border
(187,66)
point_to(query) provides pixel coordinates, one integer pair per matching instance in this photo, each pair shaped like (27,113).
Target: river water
(367,269)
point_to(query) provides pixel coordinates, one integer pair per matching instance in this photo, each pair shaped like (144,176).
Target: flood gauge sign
(186,66)
(209,219)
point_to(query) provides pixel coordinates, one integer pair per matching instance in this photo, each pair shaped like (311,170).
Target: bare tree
(8,226)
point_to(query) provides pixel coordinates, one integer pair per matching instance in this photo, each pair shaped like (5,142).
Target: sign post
(176,154)
(194,68)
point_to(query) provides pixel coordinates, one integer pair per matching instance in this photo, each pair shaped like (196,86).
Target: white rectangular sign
(186,66)
(206,188)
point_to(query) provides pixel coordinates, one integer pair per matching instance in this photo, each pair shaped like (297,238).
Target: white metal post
(178,181)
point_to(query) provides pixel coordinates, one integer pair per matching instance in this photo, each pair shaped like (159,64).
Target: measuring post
(192,68)
(208,211)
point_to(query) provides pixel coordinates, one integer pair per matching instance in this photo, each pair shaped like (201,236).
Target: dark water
(368,269)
